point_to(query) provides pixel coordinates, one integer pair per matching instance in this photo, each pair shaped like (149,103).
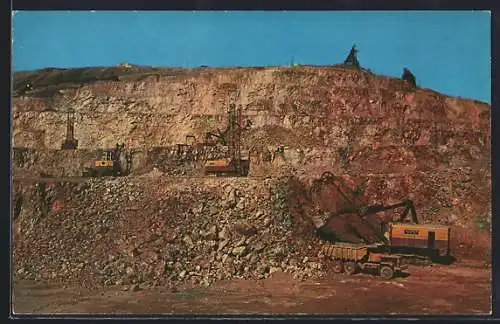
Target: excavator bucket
(351,228)
(338,229)
(348,220)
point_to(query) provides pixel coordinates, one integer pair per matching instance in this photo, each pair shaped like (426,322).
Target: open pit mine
(184,184)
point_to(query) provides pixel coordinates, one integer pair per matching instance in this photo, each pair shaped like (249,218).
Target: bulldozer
(113,162)
(352,220)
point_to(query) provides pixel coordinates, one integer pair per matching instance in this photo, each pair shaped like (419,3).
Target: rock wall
(386,140)
(299,107)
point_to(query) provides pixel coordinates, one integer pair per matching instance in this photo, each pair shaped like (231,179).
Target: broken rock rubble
(109,233)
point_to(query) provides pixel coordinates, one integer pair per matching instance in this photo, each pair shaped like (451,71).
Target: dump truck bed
(346,251)
(349,258)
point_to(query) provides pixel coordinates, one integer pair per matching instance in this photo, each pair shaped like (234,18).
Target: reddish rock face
(166,105)
(374,130)
(383,139)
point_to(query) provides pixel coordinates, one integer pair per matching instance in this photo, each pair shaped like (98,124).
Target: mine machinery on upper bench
(114,162)
(234,164)
(409,77)
(70,143)
(357,222)
(352,58)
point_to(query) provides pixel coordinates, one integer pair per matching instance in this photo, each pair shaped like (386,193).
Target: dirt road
(455,289)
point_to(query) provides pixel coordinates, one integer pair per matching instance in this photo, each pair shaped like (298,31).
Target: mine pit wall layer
(442,193)
(299,107)
(392,142)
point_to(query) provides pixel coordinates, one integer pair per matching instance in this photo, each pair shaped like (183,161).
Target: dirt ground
(463,288)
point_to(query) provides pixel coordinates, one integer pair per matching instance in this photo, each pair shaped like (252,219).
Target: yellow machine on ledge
(228,166)
(107,161)
(113,163)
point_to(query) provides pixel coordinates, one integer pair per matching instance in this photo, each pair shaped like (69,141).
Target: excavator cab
(108,156)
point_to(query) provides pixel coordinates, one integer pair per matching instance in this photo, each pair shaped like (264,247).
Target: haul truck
(350,258)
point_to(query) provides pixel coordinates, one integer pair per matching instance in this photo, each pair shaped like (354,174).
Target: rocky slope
(153,230)
(156,231)
(385,139)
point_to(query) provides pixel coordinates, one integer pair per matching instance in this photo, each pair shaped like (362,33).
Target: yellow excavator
(352,220)
(113,162)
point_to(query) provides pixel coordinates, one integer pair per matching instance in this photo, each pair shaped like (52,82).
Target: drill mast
(70,142)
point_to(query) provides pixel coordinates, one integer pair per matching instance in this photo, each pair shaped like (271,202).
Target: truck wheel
(386,272)
(338,266)
(350,267)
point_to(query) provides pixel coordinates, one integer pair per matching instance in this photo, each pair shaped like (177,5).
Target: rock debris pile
(108,233)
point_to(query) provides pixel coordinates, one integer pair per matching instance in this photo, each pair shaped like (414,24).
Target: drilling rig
(70,143)
(233,165)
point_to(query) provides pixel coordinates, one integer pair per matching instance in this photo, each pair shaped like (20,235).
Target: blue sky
(447,51)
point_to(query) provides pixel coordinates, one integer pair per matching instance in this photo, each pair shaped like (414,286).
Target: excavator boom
(349,218)
(408,204)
